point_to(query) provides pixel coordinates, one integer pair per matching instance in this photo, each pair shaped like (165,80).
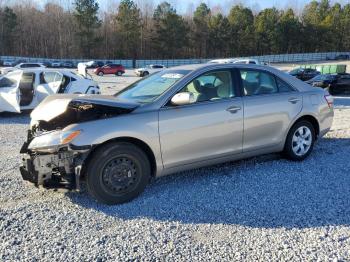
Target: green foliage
(129,27)
(241,20)
(170,31)
(219,35)
(133,31)
(200,36)
(8,23)
(87,22)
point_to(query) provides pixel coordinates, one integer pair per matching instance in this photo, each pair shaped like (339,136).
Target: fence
(282,58)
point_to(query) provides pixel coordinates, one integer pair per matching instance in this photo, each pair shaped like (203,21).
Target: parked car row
(24,89)
(336,84)
(6,70)
(150,69)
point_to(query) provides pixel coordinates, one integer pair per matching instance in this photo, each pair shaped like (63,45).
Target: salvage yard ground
(263,208)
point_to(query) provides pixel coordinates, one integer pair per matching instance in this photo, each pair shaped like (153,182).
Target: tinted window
(296,71)
(344,76)
(258,82)
(29,65)
(283,86)
(211,86)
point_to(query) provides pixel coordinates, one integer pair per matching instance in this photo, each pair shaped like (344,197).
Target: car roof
(298,84)
(42,69)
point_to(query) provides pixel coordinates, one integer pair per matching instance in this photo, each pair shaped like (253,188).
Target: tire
(117,173)
(296,142)
(100,73)
(119,73)
(145,74)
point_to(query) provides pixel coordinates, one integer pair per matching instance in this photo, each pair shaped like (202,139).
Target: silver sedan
(177,119)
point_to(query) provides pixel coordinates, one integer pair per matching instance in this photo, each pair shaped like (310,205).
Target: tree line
(143,32)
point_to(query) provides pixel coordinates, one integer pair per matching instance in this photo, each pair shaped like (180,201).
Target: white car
(25,89)
(150,69)
(6,70)
(236,61)
(8,63)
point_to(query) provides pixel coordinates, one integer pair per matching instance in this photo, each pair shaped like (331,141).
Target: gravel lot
(263,208)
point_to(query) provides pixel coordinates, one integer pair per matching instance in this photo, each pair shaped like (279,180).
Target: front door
(9,92)
(210,127)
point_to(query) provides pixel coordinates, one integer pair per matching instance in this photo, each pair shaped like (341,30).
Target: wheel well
(139,143)
(313,121)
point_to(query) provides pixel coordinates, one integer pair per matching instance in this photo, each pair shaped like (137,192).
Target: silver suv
(177,119)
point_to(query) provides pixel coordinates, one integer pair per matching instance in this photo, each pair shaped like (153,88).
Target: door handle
(233,109)
(293,100)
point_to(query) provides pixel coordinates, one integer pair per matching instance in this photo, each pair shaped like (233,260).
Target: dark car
(335,83)
(67,64)
(115,69)
(342,57)
(304,73)
(96,64)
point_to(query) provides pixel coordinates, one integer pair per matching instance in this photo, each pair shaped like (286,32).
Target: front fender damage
(61,167)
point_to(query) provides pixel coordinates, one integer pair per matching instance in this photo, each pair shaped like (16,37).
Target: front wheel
(145,74)
(119,73)
(100,73)
(300,141)
(117,173)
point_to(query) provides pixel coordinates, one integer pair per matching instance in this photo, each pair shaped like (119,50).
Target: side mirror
(183,98)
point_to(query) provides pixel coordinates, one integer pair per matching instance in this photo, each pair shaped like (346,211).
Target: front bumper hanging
(57,170)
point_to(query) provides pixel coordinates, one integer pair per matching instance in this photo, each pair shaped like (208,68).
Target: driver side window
(211,86)
(258,83)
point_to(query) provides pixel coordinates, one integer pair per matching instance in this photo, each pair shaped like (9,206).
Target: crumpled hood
(56,105)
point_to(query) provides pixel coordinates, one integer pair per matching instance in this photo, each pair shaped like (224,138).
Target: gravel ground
(263,208)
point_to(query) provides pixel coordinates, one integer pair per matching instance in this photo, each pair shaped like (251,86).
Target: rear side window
(258,83)
(283,86)
(29,65)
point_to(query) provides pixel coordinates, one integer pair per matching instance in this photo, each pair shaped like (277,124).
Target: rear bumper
(138,73)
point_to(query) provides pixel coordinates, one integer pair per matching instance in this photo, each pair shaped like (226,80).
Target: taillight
(329,100)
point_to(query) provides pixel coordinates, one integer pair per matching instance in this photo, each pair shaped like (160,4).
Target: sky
(183,6)
(188,6)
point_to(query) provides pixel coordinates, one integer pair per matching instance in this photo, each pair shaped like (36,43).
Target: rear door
(270,105)
(49,84)
(209,128)
(9,92)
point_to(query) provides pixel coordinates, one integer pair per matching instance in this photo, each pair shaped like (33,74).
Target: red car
(114,69)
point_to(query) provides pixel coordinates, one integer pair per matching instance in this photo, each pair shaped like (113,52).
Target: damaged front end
(50,158)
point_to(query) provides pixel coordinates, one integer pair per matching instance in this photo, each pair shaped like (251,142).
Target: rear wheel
(117,173)
(300,141)
(119,73)
(100,73)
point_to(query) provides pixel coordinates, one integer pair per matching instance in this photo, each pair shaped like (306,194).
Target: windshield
(10,80)
(149,89)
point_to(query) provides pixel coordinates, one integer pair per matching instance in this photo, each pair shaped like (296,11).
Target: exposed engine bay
(78,111)
(60,166)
